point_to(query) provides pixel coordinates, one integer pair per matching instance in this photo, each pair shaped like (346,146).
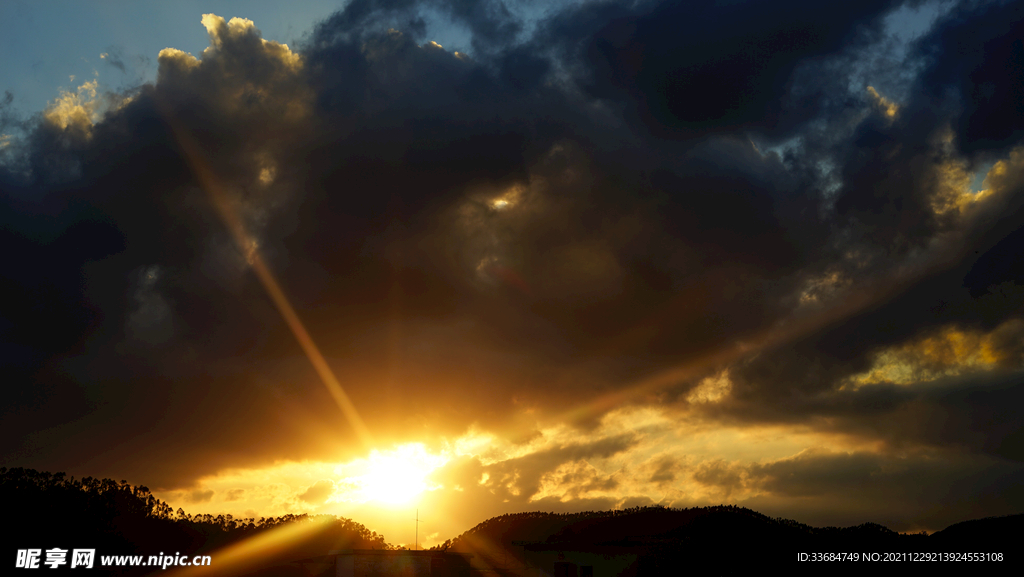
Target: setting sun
(394,477)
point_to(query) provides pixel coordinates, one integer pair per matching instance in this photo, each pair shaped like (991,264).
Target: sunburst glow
(394,477)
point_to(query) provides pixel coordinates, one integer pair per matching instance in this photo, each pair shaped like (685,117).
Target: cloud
(150,320)
(665,471)
(199,496)
(856,481)
(985,79)
(949,352)
(888,107)
(318,492)
(629,54)
(622,268)
(114,58)
(74,110)
(720,473)
(711,389)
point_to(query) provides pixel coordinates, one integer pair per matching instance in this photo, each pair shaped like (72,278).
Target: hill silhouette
(47,510)
(738,539)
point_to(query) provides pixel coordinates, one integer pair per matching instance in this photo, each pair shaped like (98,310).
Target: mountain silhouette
(48,510)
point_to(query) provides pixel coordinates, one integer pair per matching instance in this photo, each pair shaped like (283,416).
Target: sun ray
(254,552)
(210,183)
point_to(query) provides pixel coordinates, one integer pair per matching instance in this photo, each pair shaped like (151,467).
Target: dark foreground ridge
(660,541)
(48,510)
(51,510)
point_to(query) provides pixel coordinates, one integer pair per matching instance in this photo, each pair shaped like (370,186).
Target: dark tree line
(737,538)
(48,510)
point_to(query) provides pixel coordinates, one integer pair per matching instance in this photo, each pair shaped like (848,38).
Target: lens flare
(255,552)
(211,184)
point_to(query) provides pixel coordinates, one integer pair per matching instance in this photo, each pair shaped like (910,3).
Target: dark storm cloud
(136,265)
(665,471)
(721,474)
(893,208)
(977,411)
(976,60)
(975,414)
(930,489)
(956,289)
(492,24)
(519,228)
(682,69)
(480,489)
(522,476)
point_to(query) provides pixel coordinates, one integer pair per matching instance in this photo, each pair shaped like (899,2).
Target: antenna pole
(416,545)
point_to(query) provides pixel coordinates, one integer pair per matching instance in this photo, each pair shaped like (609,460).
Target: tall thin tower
(416,543)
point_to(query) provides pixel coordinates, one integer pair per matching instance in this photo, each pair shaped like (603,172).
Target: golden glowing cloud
(948,352)
(823,287)
(267,175)
(508,198)
(221,31)
(711,389)
(77,110)
(177,59)
(245,74)
(1003,175)
(888,107)
(953,191)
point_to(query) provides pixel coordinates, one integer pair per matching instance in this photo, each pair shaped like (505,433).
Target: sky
(389,258)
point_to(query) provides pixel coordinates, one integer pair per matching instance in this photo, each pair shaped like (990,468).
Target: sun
(392,480)
(395,477)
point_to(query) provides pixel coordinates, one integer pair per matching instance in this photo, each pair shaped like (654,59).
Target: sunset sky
(476,257)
